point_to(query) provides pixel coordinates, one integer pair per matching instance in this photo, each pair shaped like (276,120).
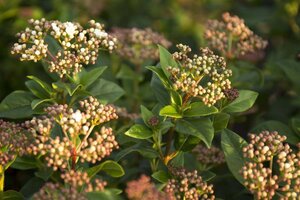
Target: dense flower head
(139,45)
(13,141)
(232,37)
(78,46)
(208,156)
(78,185)
(59,151)
(264,146)
(261,177)
(189,186)
(231,94)
(144,189)
(204,76)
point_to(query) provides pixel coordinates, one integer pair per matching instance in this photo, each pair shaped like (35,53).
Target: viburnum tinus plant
(160,139)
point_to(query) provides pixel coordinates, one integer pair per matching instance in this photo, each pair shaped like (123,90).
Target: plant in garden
(79,142)
(66,134)
(68,130)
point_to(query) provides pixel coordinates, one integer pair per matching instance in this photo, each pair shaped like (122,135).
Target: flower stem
(1,178)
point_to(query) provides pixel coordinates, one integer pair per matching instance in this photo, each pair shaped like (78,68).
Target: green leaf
(178,161)
(201,128)
(166,60)
(146,115)
(86,78)
(169,111)
(161,75)
(175,98)
(106,194)
(281,128)
(139,131)
(106,91)
(71,88)
(245,101)
(145,151)
(185,142)
(161,176)
(32,186)
(207,175)
(44,173)
(232,145)
(220,121)
(199,109)
(291,69)
(160,92)
(24,163)
(43,84)
(295,123)
(37,102)
(111,167)
(165,126)
(16,105)
(11,195)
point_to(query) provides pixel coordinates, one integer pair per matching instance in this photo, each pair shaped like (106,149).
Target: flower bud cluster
(13,141)
(259,174)
(139,45)
(189,186)
(208,156)
(204,76)
(232,37)
(60,151)
(78,185)
(144,189)
(81,181)
(231,94)
(264,146)
(99,146)
(123,112)
(78,46)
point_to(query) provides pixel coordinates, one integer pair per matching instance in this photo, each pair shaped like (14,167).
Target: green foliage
(170,111)
(244,102)
(17,105)
(139,131)
(161,176)
(199,109)
(232,145)
(11,195)
(105,91)
(106,194)
(112,168)
(201,128)
(180,124)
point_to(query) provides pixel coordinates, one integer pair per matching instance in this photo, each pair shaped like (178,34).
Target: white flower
(70,29)
(100,34)
(77,116)
(55,28)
